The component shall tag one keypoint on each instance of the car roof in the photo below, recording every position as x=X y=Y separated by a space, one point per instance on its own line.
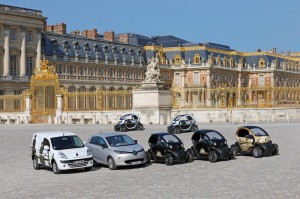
x=108 y=134
x=161 y=134
x=51 y=134
x=205 y=131
x=250 y=127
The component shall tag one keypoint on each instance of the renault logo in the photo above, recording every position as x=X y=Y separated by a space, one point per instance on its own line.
x=134 y=152
x=76 y=154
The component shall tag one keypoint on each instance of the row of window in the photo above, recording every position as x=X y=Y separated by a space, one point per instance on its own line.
x=14 y=37
x=13 y=65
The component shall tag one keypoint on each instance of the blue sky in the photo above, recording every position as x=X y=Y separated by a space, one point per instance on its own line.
x=244 y=25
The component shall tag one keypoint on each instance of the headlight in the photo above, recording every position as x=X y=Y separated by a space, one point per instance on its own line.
x=215 y=144
x=120 y=152
x=89 y=152
x=62 y=155
x=225 y=142
x=171 y=147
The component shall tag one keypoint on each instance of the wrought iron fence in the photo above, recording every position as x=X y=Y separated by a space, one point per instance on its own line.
x=12 y=103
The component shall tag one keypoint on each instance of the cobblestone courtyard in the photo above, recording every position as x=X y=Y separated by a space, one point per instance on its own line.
x=244 y=177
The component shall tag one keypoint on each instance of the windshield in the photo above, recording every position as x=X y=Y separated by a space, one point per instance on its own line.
x=170 y=138
x=120 y=140
x=66 y=142
x=259 y=132
x=214 y=136
x=177 y=118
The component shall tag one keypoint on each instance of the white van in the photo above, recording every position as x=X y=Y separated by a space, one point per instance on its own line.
x=60 y=150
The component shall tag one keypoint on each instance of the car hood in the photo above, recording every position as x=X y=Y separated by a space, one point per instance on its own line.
x=128 y=148
x=75 y=153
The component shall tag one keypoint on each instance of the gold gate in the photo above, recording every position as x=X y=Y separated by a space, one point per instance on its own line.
x=43 y=86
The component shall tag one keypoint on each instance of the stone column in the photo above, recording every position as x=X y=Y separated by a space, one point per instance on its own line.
x=23 y=53
x=38 y=48
x=272 y=89
x=208 y=85
x=239 y=103
x=6 y=52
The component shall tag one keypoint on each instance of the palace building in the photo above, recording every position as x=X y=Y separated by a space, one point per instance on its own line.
x=97 y=72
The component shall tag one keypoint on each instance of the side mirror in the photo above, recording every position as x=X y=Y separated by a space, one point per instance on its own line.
x=46 y=147
x=103 y=145
x=135 y=141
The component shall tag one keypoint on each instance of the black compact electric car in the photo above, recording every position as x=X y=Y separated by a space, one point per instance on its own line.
x=211 y=145
x=129 y=122
x=183 y=123
x=168 y=148
x=255 y=141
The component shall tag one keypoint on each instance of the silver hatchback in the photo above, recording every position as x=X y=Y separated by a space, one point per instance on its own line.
x=116 y=149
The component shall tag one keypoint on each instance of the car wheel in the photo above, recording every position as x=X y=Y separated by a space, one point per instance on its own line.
x=55 y=168
x=257 y=152
x=189 y=155
x=194 y=128
x=36 y=164
x=212 y=156
x=88 y=168
x=276 y=149
x=111 y=163
x=234 y=149
x=148 y=157
x=115 y=128
x=176 y=130
x=139 y=127
x=232 y=155
x=123 y=128
x=168 y=159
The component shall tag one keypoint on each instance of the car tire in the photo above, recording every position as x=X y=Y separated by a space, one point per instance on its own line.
x=111 y=163
x=168 y=159
x=234 y=149
x=212 y=156
x=176 y=130
x=276 y=149
x=55 y=168
x=115 y=129
x=232 y=155
x=36 y=164
x=189 y=155
x=148 y=157
x=139 y=127
x=88 y=168
x=123 y=128
x=194 y=128
x=257 y=152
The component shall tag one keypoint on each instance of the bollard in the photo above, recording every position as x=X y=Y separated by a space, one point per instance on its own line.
x=8 y=120
x=70 y=119
x=287 y=117
x=82 y=119
x=273 y=116
x=147 y=119
x=94 y=119
x=169 y=120
x=105 y=119
x=161 y=120
x=49 y=119
x=18 y=121
x=59 y=119
x=258 y=116
x=242 y=119
x=208 y=120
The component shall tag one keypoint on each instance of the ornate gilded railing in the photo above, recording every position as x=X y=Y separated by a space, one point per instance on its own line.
x=234 y=97
x=98 y=100
x=12 y=103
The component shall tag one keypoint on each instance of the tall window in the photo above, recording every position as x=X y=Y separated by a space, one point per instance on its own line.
x=29 y=66
x=177 y=78
x=13 y=65
x=29 y=36
x=13 y=34
x=58 y=69
x=196 y=78
x=81 y=70
x=111 y=72
x=261 y=80
x=71 y=70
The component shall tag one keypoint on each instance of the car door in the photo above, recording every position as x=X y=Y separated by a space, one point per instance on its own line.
x=102 y=150
x=93 y=145
x=44 y=157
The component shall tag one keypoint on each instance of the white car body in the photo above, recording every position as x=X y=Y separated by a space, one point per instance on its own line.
x=65 y=159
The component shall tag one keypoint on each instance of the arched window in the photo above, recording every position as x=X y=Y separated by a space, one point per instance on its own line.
x=197 y=59
x=261 y=62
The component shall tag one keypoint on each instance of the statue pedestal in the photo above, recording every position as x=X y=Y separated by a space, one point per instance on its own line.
x=152 y=103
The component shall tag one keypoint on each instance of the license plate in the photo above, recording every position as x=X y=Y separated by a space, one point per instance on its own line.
x=136 y=162
x=78 y=162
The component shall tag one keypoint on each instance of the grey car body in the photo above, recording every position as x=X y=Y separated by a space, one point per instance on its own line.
x=116 y=149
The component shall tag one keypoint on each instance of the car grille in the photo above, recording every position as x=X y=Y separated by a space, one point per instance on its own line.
x=77 y=163
x=134 y=160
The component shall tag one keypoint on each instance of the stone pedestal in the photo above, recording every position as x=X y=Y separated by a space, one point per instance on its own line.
x=152 y=103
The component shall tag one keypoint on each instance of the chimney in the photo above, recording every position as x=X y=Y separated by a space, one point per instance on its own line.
x=45 y=26
x=109 y=35
x=124 y=38
x=274 y=50
x=90 y=33
x=60 y=28
x=75 y=32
